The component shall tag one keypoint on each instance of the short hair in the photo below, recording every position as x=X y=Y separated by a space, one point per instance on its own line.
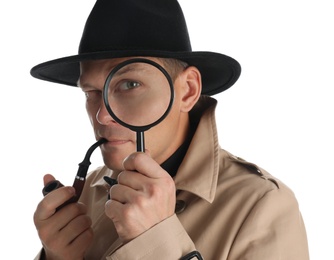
x=173 y=66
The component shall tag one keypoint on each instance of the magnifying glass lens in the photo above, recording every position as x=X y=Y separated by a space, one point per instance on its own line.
x=139 y=94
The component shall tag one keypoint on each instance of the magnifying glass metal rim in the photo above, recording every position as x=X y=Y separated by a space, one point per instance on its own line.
x=106 y=87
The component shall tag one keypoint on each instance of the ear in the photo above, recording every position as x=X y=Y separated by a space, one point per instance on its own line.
x=191 y=88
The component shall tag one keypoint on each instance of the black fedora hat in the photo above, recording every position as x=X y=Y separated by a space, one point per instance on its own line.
x=126 y=28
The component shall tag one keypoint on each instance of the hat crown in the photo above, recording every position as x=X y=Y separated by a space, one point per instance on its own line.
x=135 y=25
x=155 y=28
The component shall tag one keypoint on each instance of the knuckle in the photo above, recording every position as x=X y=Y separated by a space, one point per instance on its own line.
x=76 y=209
x=88 y=235
x=138 y=158
x=82 y=207
x=86 y=221
x=113 y=190
x=170 y=184
x=140 y=201
x=44 y=206
x=36 y=218
x=120 y=175
x=52 y=243
x=109 y=209
x=43 y=233
x=128 y=213
x=152 y=189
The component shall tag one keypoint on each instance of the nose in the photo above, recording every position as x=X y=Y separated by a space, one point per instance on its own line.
x=103 y=116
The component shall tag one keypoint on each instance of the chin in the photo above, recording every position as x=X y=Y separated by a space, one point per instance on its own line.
x=114 y=161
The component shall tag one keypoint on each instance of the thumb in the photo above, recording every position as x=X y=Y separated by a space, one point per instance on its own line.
x=48 y=178
x=50 y=184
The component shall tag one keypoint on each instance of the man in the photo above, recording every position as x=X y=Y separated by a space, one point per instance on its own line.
x=184 y=198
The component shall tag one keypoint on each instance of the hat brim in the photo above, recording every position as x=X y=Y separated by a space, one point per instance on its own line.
x=219 y=72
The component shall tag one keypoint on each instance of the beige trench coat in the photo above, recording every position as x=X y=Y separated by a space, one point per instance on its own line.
x=227 y=209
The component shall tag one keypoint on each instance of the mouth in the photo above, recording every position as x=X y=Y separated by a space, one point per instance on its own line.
x=116 y=137
x=116 y=142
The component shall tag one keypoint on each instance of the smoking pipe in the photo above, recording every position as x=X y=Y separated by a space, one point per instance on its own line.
x=80 y=177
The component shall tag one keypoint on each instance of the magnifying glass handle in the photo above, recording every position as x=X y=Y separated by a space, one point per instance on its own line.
x=140 y=142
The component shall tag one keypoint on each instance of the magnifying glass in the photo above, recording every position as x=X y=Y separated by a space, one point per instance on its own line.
x=138 y=94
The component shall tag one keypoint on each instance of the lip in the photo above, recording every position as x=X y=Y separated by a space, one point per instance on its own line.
x=115 y=142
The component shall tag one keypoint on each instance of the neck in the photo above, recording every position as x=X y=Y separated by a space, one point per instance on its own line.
x=182 y=133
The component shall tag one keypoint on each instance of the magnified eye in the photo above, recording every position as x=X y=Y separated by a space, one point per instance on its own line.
x=128 y=85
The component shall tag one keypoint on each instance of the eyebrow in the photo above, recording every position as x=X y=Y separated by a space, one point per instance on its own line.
x=130 y=68
x=85 y=86
x=120 y=72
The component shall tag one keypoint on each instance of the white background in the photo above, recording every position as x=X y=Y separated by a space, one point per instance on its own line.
x=278 y=115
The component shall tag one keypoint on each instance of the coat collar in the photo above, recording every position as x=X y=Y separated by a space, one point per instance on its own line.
x=198 y=173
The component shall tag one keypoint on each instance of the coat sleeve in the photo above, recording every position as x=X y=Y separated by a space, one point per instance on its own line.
x=167 y=240
x=273 y=230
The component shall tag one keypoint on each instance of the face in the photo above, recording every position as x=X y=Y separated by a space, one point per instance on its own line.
x=161 y=141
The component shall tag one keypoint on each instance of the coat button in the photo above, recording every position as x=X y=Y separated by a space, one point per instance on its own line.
x=180 y=206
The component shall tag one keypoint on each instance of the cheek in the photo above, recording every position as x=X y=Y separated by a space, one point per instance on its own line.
x=155 y=141
x=160 y=138
x=91 y=111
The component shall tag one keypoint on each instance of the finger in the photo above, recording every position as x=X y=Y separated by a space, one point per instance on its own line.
x=119 y=213
x=81 y=243
x=75 y=227
x=143 y=164
x=122 y=194
x=68 y=213
x=132 y=179
x=112 y=209
x=49 y=228
x=47 y=207
x=62 y=231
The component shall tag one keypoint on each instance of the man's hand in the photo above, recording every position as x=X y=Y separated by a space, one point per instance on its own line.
x=66 y=233
x=143 y=197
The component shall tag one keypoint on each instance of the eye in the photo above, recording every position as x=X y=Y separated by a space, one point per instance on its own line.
x=128 y=85
x=93 y=95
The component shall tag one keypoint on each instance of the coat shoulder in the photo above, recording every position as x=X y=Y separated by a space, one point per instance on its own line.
x=240 y=170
